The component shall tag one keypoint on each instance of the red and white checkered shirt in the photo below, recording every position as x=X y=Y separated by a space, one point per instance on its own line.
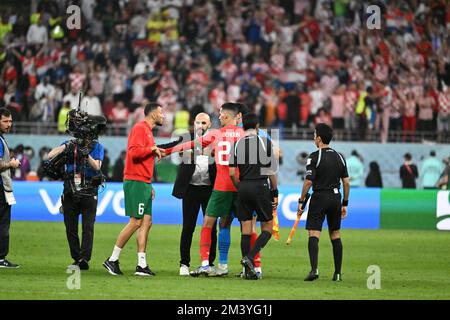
x=77 y=80
x=351 y=97
x=444 y=103
x=277 y=62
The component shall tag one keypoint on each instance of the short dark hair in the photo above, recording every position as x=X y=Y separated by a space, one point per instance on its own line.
x=408 y=156
x=231 y=106
x=149 y=107
x=325 y=132
x=4 y=112
x=433 y=153
x=250 y=121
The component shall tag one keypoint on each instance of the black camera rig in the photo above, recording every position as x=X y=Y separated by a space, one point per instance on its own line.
x=85 y=129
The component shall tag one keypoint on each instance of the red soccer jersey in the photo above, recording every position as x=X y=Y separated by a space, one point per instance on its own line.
x=140 y=158
x=222 y=140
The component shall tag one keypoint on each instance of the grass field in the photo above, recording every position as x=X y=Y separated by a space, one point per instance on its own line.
x=414 y=265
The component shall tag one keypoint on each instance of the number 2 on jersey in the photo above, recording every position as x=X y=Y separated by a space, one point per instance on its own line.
x=224 y=152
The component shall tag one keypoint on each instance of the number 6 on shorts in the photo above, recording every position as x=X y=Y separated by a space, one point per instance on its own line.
x=141 y=209
x=138 y=198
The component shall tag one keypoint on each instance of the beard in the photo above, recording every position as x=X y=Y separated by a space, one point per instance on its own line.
x=200 y=132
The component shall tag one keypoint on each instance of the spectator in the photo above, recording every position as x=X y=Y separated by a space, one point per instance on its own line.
x=91 y=104
x=73 y=98
x=182 y=119
x=409 y=116
x=317 y=99
x=45 y=89
x=425 y=116
x=329 y=82
x=323 y=116
x=77 y=79
x=37 y=34
x=430 y=171
x=363 y=111
x=119 y=114
x=21 y=172
x=313 y=44
x=374 y=179
x=384 y=114
x=443 y=118
x=62 y=116
x=355 y=169
x=350 y=99
x=408 y=173
x=293 y=103
x=337 y=107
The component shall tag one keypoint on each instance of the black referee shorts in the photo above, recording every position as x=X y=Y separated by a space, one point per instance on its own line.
x=324 y=204
x=254 y=196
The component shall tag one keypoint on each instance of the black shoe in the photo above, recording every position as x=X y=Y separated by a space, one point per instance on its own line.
x=8 y=265
x=83 y=264
x=250 y=272
x=144 y=272
x=313 y=275
x=112 y=267
x=337 y=277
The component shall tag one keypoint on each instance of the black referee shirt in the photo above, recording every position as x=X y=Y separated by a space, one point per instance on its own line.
x=325 y=168
x=253 y=156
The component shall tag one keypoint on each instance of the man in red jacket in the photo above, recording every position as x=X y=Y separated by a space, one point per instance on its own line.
x=140 y=159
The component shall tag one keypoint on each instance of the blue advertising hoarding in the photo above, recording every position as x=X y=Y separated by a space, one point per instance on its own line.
x=40 y=201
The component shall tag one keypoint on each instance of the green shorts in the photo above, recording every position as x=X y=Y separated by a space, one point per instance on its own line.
x=138 y=198
x=221 y=204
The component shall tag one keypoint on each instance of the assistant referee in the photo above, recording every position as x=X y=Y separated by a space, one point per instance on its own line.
x=324 y=170
x=252 y=155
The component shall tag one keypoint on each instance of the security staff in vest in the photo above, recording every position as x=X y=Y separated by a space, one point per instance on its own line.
x=7 y=162
x=194 y=183
x=254 y=157
x=325 y=169
x=82 y=178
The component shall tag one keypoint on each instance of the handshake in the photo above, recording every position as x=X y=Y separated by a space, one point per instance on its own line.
x=160 y=149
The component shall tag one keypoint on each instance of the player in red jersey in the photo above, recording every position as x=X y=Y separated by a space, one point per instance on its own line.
x=138 y=191
x=223 y=198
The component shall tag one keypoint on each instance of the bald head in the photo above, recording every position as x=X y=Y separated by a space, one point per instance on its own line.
x=202 y=123
x=202 y=116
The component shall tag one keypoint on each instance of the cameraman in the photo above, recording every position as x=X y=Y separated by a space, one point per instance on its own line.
x=83 y=161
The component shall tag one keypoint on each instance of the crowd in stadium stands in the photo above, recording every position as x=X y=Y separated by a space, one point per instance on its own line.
x=294 y=63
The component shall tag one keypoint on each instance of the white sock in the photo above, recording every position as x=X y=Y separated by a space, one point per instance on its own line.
x=205 y=263
x=258 y=269
x=142 y=261
x=223 y=266
x=115 y=254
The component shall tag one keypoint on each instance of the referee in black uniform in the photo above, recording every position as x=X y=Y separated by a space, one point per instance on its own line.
x=324 y=170
x=253 y=156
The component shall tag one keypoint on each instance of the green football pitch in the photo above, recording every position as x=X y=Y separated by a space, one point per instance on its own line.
x=413 y=265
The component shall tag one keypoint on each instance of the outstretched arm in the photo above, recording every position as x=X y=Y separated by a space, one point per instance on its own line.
x=204 y=141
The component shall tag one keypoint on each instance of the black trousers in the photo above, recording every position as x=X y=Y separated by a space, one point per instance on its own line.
x=196 y=197
x=5 y=221
x=74 y=206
